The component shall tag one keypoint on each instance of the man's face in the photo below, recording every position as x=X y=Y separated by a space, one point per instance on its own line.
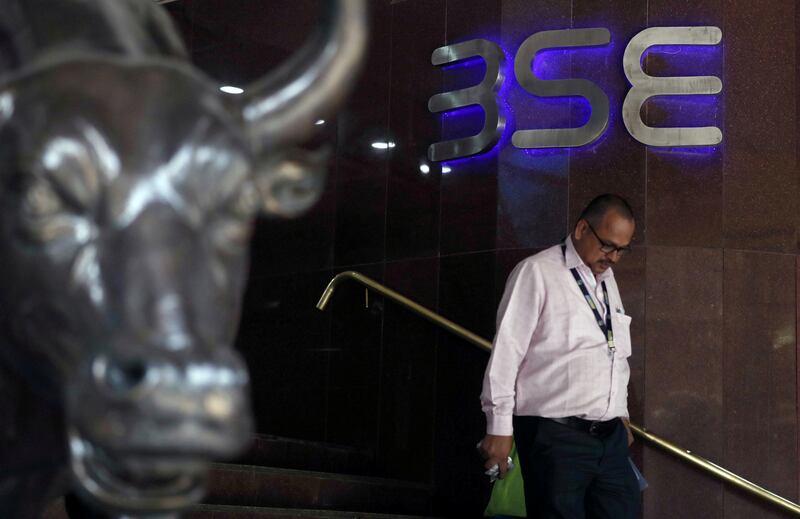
x=613 y=233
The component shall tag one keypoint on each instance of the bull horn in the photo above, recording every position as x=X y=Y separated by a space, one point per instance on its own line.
x=282 y=107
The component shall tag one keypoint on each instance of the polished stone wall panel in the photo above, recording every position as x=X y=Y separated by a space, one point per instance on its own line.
x=469 y=207
x=531 y=210
x=302 y=244
x=412 y=212
x=760 y=378
x=408 y=374
x=354 y=376
x=469 y=190
x=797 y=276
x=466 y=282
x=697 y=182
x=360 y=223
x=761 y=181
x=797 y=353
x=684 y=378
x=285 y=342
x=466 y=285
x=364 y=119
x=361 y=175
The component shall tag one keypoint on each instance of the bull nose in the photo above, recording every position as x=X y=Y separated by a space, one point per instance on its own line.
x=205 y=386
x=119 y=377
x=150 y=402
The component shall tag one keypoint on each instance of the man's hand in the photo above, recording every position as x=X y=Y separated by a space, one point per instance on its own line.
x=627 y=424
x=495 y=450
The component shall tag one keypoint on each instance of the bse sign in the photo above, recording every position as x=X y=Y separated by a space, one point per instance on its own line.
x=643 y=87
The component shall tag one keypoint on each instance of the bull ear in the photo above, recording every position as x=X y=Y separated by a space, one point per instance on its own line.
x=281 y=108
x=290 y=181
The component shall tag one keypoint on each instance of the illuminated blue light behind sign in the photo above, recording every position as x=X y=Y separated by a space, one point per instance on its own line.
x=487 y=95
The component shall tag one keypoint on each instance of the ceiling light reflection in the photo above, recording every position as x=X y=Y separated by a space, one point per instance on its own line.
x=381 y=145
x=232 y=90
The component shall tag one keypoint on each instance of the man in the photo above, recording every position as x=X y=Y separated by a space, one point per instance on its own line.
x=556 y=382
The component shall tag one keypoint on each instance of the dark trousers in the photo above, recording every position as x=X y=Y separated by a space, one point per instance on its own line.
x=572 y=474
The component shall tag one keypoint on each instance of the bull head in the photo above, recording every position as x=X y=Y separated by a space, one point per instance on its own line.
x=128 y=188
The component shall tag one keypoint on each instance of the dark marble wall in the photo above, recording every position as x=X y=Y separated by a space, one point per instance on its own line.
x=712 y=285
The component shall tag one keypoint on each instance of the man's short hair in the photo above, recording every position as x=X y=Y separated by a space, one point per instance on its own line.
x=597 y=208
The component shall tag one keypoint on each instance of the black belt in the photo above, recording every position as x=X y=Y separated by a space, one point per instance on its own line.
x=593 y=427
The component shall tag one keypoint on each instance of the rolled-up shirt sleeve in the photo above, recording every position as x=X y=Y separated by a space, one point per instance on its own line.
x=517 y=318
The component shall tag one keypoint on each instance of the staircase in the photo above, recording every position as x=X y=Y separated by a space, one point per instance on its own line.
x=280 y=478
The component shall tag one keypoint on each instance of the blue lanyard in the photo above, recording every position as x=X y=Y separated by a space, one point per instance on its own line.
x=605 y=327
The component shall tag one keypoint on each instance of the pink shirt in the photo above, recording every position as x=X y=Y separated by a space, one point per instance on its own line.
x=550 y=357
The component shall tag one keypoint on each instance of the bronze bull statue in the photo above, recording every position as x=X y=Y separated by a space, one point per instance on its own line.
x=128 y=188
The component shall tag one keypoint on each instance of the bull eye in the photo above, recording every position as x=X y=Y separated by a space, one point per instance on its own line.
x=48 y=217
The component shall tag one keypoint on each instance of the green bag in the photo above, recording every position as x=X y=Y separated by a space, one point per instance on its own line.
x=508 y=496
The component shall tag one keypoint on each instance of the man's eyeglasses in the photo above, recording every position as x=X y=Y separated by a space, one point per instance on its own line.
x=608 y=248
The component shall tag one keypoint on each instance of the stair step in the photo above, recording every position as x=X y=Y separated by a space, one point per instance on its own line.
x=56 y=510
x=255 y=486
x=252 y=512
x=275 y=451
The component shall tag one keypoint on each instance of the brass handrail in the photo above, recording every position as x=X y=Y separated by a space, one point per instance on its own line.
x=712 y=468
x=698 y=461
x=408 y=303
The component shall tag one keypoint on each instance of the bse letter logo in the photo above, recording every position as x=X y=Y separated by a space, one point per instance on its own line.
x=484 y=94
x=643 y=87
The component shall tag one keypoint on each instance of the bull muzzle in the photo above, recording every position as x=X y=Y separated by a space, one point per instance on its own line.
x=144 y=429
